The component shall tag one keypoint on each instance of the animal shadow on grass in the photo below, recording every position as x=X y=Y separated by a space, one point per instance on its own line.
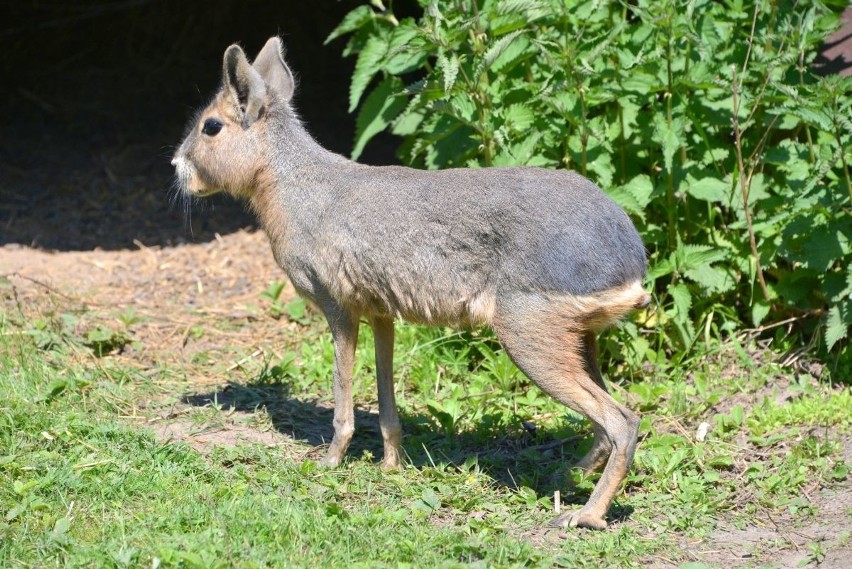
x=512 y=455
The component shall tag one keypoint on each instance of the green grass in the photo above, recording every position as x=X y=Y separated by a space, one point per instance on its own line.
x=84 y=483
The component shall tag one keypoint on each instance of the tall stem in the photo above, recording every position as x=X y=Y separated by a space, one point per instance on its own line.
x=670 y=195
x=843 y=159
x=584 y=135
x=745 y=184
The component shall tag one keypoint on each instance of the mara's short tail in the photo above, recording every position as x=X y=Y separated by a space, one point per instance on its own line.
x=601 y=309
x=643 y=302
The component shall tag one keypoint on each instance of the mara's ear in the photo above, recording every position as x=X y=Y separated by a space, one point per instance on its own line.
x=274 y=71
x=243 y=85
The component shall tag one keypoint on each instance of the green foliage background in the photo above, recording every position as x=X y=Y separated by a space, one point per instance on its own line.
x=703 y=119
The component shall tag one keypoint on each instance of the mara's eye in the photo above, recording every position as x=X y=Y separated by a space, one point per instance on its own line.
x=211 y=127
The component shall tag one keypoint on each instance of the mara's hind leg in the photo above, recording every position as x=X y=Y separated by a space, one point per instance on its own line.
x=601 y=446
x=545 y=338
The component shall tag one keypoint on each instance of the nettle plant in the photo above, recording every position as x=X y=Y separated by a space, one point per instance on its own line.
x=703 y=119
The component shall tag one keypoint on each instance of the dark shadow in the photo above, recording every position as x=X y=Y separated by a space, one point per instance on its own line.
x=835 y=55
x=95 y=95
x=512 y=455
x=619 y=513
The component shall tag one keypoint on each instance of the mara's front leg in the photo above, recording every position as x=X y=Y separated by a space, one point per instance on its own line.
x=344 y=331
x=388 y=416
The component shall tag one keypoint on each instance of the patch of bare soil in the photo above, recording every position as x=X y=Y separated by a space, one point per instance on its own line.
x=180 y=299
x=786 y=542
x=205 y=437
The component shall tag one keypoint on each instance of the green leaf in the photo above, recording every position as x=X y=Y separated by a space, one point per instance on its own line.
x=409 y=121
x=712 y=279
x=642 y=83
x=273 y=291
x=463 y=107
x=759 y=310
x=635 y=195
x=449 y=67
x=629 y=115
x=836 y=326
x=431 y=499
x=520 y=153
x=709 y=189
x=99 y=335
x=661 y=268
x=516 y=52
x=55 y=387
x=368 y=64
x=692 y=256
x=848 y=289
x=191 y=558
x=599 y=166
x=295 y=309
x=669 y=136
x=23 y=488
x=529 y=9
x=816 y=117
x=682 y=299
x=519 y=116
x=405 y=51
x=641 y=187
x=524 y=151
x=351 y=22
x=824 y=246
x=623 y=198
x=496 y=50
x=721 y=461
x=16 y=511
x=61 y=526
x=380 y=109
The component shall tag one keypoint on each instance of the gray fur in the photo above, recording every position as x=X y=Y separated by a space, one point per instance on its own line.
x=408 y=240
x=543 y=256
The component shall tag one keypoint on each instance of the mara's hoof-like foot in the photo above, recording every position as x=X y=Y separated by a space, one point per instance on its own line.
x=330 y=461
x=391 y=461
x=580 y=519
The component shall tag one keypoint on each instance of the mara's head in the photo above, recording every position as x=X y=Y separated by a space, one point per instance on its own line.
x=224 y=148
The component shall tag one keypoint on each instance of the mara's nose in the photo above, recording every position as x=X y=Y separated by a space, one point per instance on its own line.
x=175 y=161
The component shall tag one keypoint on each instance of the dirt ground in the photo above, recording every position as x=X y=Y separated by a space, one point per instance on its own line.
x=171 y=291
x=92 y=224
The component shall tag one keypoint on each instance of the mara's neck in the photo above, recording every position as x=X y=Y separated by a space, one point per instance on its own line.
x=295 y=163
x=293 y=151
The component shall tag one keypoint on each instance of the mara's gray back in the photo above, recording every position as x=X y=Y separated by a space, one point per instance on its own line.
x=499 y=228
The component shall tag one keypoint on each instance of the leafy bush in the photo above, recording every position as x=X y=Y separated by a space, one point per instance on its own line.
x=703 y=119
